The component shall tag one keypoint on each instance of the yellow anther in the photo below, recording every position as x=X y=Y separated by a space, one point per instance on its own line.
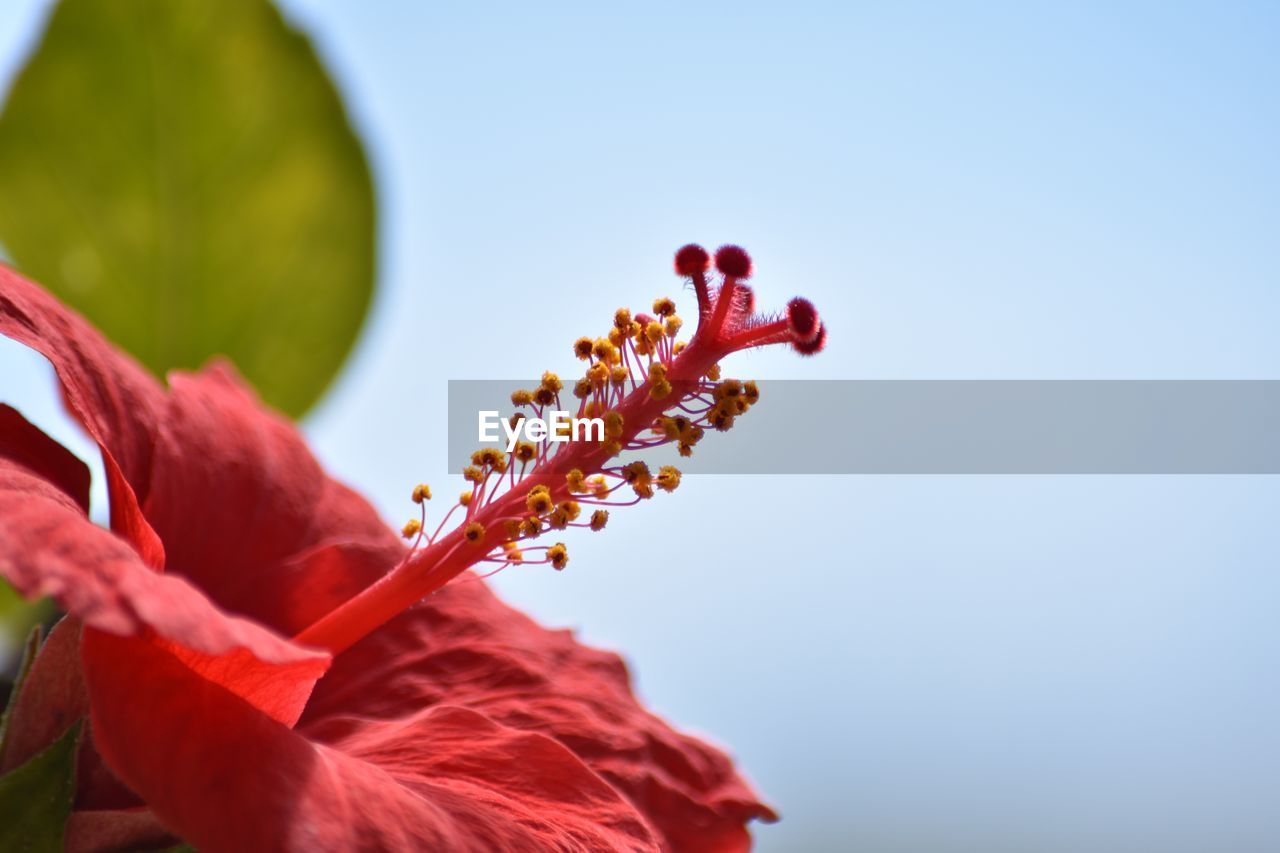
x=673 y=326
x=530 y=527
x=490 y=457
x=544 y=396
x=421 y=492
x=751 y=392
x=473 y=532
x=558 y=520
x=598 y=486
x=653 y=332
x=599 y=519
x=617 y=336
x=539 y=502
x=721 y=418
x=472 y=474
x=634 y=472
x=521 y=397
x=525 y=452
x=612 y=447
x=572 y=509
x=668 y=478
x=582 y=389
x=713 y=372
x=605 y=350
x=465 y=498
x=679 y=347
x=622 y=318
x=558 y=555
x=619 y=375
x=598 y=374
x=576 y=481
x=582 y=348
x=551 y=382
x=512 y=552
x=664 y=307
x=512 y=528
x=411 y=528
x=661 y=389
x=613 y=424
x=495 y=459
x=727 y=389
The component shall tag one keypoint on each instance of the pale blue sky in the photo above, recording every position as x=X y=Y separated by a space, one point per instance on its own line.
x=982 y=190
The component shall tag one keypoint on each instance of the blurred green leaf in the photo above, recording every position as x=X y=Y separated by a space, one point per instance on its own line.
x=184 y=174
x=35 y=799
x=17 y=617
x=29 y=651
x=9 y=600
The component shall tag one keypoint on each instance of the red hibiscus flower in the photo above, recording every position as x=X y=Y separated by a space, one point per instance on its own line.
x=258 y=657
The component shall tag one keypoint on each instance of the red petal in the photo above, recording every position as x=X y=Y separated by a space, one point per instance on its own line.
x=49 y=547
x=22 y=443
x=114 y=398
x=462 y=646
x=247 y=513
x=226 y=777
x=241 y=505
